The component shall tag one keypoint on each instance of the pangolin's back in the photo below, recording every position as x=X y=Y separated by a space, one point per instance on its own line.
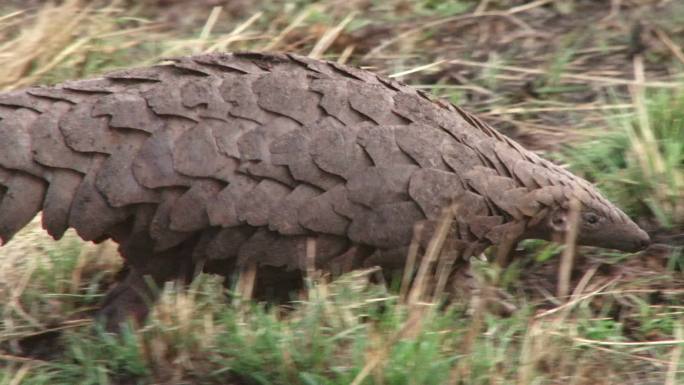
x=246 y=156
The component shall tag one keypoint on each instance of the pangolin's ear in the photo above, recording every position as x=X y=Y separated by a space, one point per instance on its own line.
x=558 y=220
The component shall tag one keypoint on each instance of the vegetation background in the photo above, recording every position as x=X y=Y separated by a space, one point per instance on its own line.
x=596 y=85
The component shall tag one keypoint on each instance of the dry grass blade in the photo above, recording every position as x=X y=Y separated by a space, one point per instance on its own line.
x=20 y=374
x=529 y=6
x=368 y=368
x=654 y=361
x=575 y=301
x=410 y=261
x=482 y=6
x=675 y=342
x=13 y=303
x=652 y=160
x=5 y=18
x=409 y=327
x=579 y=107
x=11 y=358
x=66 y=325
x=329 y=37
x=405 y=35
x=296 y=22
x=583 y=282
x=604 y=80
x=65 y=37
x=671 y=376
x=671 y=45
x=208 y=26
x=529 y=354
x=412 y=325
x=568 y=255
x=444 y=270
x=463 y=368
x=431 y=254
x=35 y=49
x=310 y=261
x=346 y=54
x=207 y=43
x=100 y=251
x=237 y=34
x=645 y=128
x=417 y=69
x=245 y=285
x=131 y=32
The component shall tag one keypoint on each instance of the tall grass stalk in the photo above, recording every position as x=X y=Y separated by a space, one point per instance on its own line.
x=640 y=163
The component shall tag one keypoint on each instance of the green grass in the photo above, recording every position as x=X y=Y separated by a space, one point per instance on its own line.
x=347 y=330
x=442 y=8
x=640 y=162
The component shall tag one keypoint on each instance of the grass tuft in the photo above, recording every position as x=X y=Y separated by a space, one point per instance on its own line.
x=640 y=162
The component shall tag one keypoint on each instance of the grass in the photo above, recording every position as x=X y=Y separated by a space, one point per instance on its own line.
x=621 y=324
x=352 y=331
x=70 y=40
x=640 y=163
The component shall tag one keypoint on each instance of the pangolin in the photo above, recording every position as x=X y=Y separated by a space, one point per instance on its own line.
x=220 y=161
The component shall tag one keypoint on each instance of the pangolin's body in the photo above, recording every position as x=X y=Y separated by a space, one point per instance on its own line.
x=237 y=158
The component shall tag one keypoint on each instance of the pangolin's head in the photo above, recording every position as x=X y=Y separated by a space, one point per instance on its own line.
x=595 y=227
x=599 y=222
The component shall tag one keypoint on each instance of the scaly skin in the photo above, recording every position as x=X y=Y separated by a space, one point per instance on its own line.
x=233 y=159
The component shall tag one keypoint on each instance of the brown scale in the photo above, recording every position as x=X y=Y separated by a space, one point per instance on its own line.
x=49 y=145
x=196 y=154
x=423 y=144
x=224 y=208
x=91 y=216
x=15 y=143
x=153 y=165
x=21 y=201
x=337 y=151
x=58 y=199
x=335 y=100
x=115 y=178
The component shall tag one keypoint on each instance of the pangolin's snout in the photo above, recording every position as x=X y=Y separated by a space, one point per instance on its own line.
x=626 y=236
x=642 y=240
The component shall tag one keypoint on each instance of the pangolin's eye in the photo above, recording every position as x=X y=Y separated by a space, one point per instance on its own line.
x=591 y=218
